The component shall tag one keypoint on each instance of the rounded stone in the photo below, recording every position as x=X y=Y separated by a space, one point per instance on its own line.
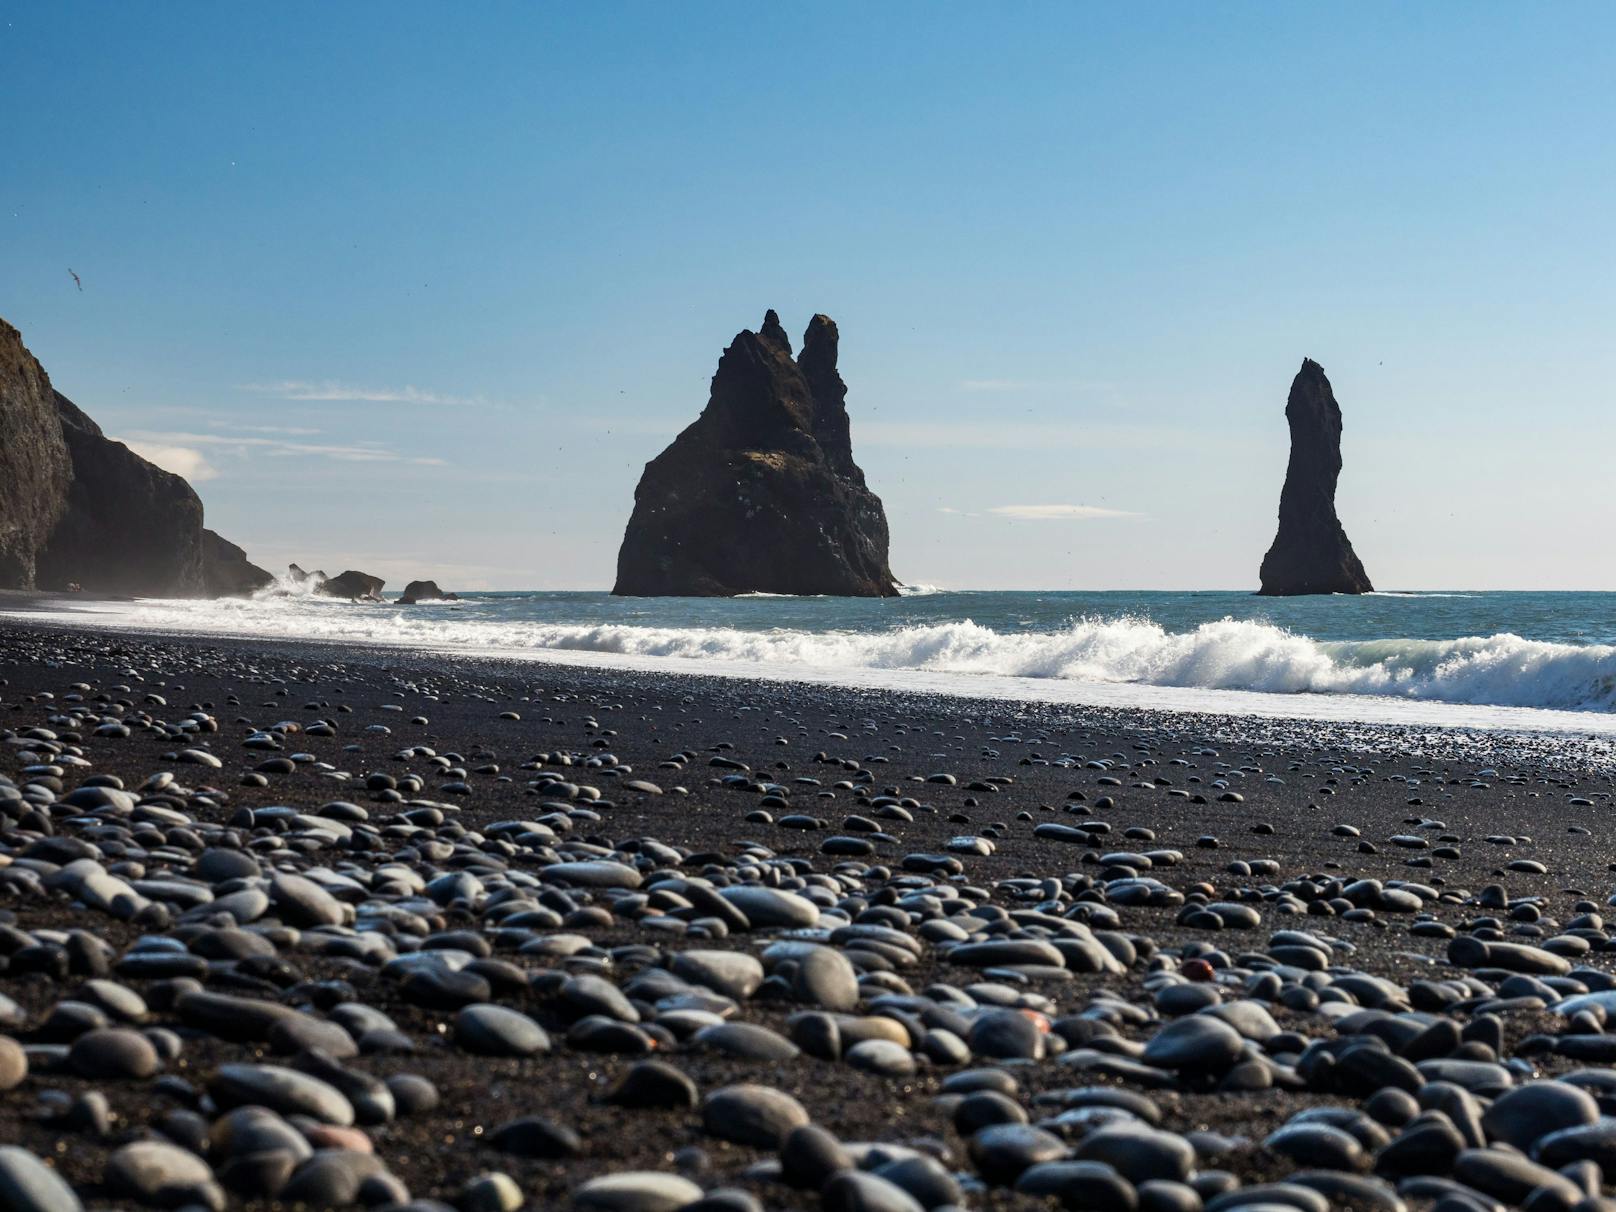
x=29 y=1185
x=749 y=1114
x=748 y=1041
x=157 y=1173
x=1318 y=1146
x=1198 y=1044
x=491 y=1030
x=301 y=902
x=657 y=1084
x=13 y=1064
x=772 y=908
x=1523 y=1115
x=1091 y=1186
x=1005 y=1035
x=853 y=1191
x=732 y=973
x=825 y=977
x=881 y=1056
x=112 y=1054
x=533 y=1136
x=636 y=1191
x=1138 y=1152
x=282 y=1090
x=809 y=1155
x=1002 y=1152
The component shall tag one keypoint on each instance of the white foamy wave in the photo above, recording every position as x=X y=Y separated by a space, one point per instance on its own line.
x=920 y=591
x=1501 y=670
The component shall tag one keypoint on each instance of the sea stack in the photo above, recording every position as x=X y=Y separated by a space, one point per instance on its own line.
x=79 y=509
x=1311 y=552
x=760 y=494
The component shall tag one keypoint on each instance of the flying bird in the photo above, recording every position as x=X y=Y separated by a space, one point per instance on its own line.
x=76 y=281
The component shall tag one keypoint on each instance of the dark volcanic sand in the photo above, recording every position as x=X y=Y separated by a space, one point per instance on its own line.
x=1299 y=780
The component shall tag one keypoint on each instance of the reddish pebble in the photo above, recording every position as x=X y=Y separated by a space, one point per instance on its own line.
x=328 y=1136
x=1040 y=1021
x=1197 y=970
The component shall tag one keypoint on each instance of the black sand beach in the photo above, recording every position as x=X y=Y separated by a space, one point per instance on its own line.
x=1501 y=838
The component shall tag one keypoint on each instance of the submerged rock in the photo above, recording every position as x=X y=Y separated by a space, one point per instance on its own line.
x=424 y=591
x=1311 y=552
x=761 y=494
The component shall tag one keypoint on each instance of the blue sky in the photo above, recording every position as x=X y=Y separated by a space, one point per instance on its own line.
x=419 y=288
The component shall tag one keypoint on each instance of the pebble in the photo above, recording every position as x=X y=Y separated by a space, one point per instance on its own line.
x=29 y=1185
x=280 y=955
x=13 y=1063
x=750 y=1114
x=499 y=1031
x=113 y=1053
x=282 y=1090
x=1138 y=1152
x=1198 y=1044
x=852 y=1191
x=636 y=1191
x=152 y=1172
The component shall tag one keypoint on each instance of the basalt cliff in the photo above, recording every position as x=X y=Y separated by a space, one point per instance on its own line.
x=760 y=494
x=79 y=510
x=1311 y=552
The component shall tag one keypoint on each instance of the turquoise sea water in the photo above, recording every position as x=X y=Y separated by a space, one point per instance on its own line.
x=1535 y=651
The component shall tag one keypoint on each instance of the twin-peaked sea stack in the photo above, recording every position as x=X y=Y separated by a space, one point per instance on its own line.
x=1311 y=552
x=760 y=494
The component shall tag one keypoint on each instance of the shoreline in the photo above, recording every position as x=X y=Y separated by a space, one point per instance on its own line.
x=965 y=697
x=1320 y=709
x=1035 y=819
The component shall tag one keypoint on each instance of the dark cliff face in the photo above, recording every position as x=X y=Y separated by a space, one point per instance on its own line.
x=78 y=509
x=34 y=468
x=760 y=494
x=226 y=572
x=130 y=527
x=1311 y=552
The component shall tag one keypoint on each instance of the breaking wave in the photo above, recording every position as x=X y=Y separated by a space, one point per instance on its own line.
x=1502 y=670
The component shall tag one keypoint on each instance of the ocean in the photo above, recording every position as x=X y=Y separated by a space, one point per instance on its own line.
x=1485 y=660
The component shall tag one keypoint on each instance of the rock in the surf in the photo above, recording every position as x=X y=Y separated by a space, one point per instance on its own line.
x=1311 y=552
x=424 y=591
x=761 y=494
x=355 y=586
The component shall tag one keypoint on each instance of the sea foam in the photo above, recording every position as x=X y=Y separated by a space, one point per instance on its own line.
x=1497 y=670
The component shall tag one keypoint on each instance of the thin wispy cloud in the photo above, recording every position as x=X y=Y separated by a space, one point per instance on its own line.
x=323 y=390
x=184 y=461
x=1058 y=513
x=1031 y=435
x=364 y=452
x=290 y=431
